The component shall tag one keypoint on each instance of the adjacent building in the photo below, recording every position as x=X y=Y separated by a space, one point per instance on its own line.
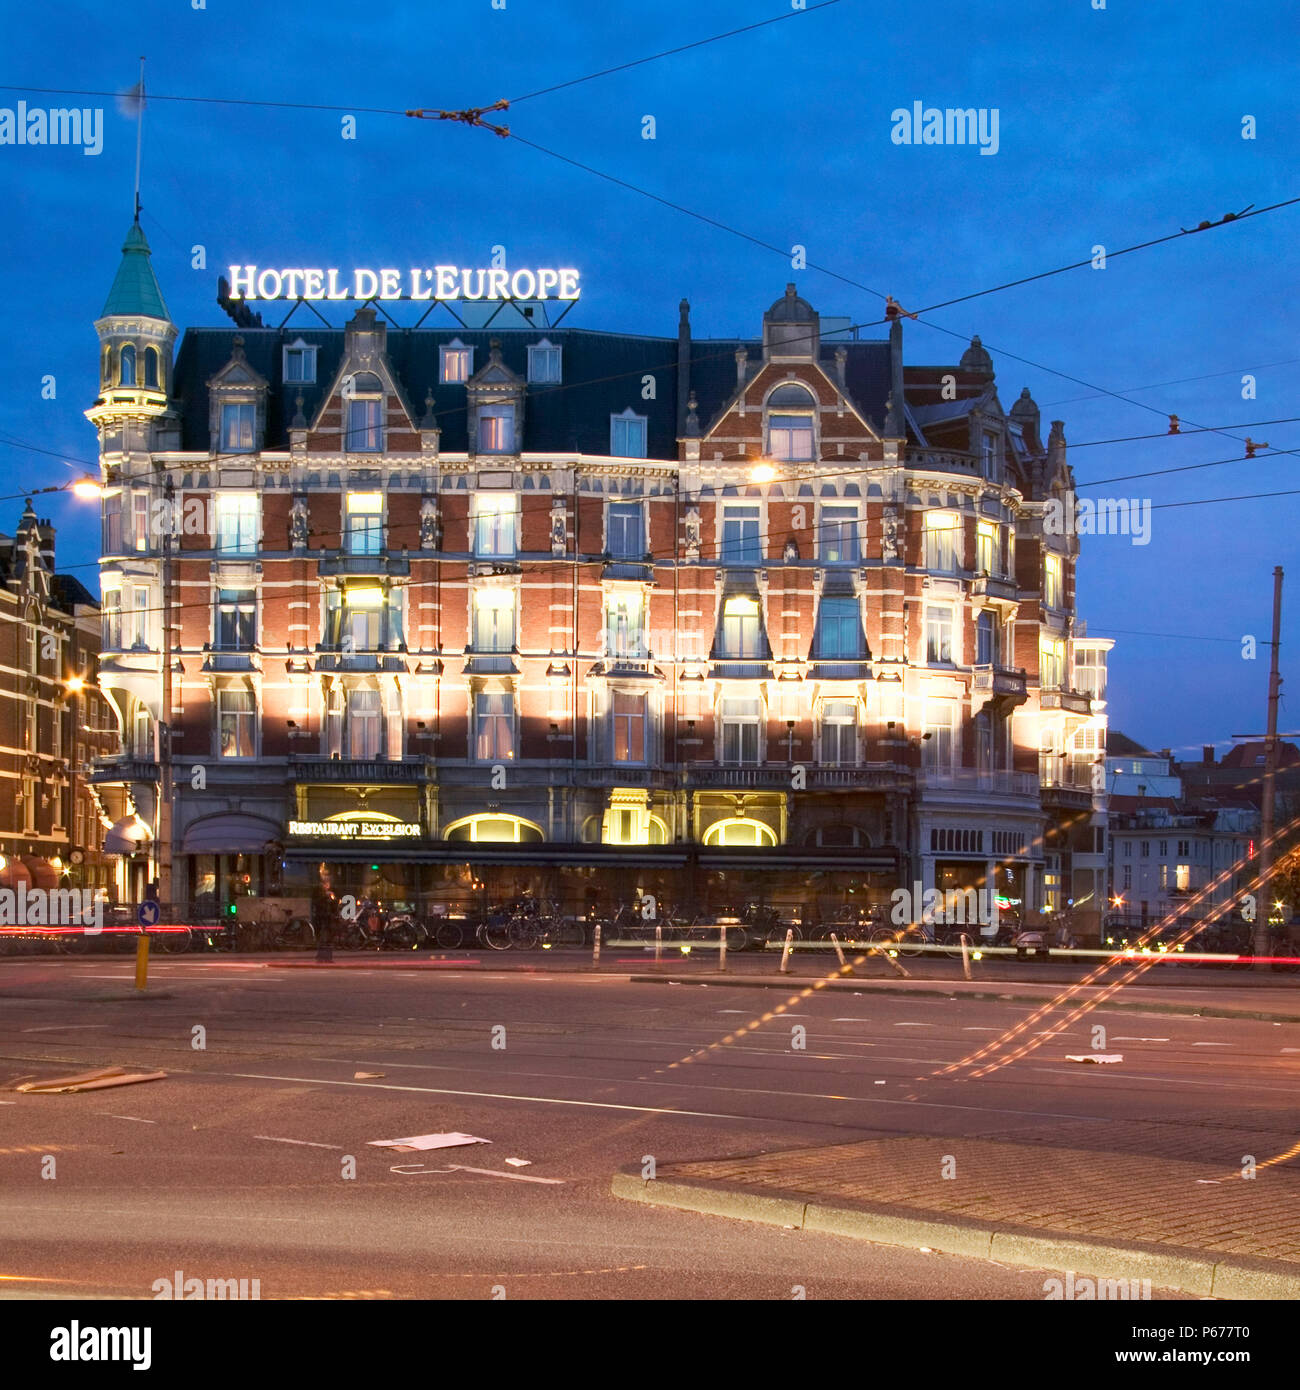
x=465 y=612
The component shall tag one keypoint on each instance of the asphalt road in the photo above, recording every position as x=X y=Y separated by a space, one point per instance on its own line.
x=234 y=1166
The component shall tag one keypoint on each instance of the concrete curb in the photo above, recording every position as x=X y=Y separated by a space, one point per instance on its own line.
x=1168 y=1267
x=860 y=984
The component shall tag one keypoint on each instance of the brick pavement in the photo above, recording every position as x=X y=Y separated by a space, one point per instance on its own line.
x=1196 y=1205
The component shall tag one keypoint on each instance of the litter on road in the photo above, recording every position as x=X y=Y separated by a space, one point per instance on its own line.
x=367 y=1075
x=1097 y=1057
x=91 y=1080
x=427 y=1141
x=520 y=1162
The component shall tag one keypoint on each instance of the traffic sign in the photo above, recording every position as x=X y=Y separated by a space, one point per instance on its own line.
x=148 y=914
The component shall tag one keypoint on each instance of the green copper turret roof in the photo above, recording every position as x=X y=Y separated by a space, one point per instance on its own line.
x=135 y=289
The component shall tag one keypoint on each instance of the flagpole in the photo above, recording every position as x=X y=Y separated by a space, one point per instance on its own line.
x=139 y=134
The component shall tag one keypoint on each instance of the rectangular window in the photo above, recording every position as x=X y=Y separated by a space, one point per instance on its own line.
x=741 y=544
x=457 y=365
x=1146 y=849
x=112 y=616
x=625 y=623
x=1128 y=877
x=629 y=727
x=985 y=640
x=112 y=530
x=237 y=523
x=354 y=618
x=942 y=542
x=140 y=521
x=236 y=723
x=627 y=436
x=365 y=523
x=1128 y=849
x=494 y=525
x=30 y=739
x=989 y=449
x=494 y=723
x=365 y=724
x=29 y=804
x=139 y=617
x=237 y=425
x=1051 y=664
x=142 y=734
x=236 y=620
x=1164 y=848
x=1090 y=673
x=494 y=620
x=987 y=547
x=837 y=537
x=790 y=438
x=300 y=364
x=938 y=635
x=839 y=733
x=365 y=426
x=1183 y=850
x=938 y=743
x=625 y=531
x=1052 y=592
x=496 y=429
x=839 y=630
x=1182 y=877
x=740 y=718
x=543 y=364
x=741 y=625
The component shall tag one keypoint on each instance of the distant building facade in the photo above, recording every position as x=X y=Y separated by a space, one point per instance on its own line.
x=465 y=613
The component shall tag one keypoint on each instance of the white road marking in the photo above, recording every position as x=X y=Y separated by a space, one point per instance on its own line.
x=983 y=1030
x=136 y=1118
x=515 y=1177
x=306 y=1143
x=850 y=1020
x=1291 y=1049
x=1211 y=1044
x=912 y=1025
x=1118 y=1038
x=62 y=1027
x=733 y=1011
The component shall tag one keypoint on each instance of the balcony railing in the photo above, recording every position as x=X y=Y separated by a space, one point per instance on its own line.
x=1009 y=681
x=971 y=779
x=994 y=585
x=328 y=659
x=128 y=769
x=941 y=461
x=1058 y=697
x=310 y=767
x=384 y=564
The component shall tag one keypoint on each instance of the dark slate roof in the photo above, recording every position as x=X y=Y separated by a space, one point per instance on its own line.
x=601 y=376
x=1120 y=745
x=67 y=591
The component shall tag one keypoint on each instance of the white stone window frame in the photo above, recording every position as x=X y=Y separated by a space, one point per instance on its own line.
x=308 y=352
x=455 y=348
x=630 y=416
x=549 y=352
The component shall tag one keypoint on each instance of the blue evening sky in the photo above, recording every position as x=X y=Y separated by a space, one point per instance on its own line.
x=1115 y=126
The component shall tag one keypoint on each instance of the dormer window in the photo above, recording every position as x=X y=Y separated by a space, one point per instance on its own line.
x=457 y=363
x=300 y=363
x=238 y=422
x=126 y=375
x=365 y=430
x=627 y=435
x=543 y=363
x=791 y=435
x=496 y=429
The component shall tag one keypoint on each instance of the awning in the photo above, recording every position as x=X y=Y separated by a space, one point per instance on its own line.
x=15 y=874
x=44 y=874
x=231 y=833
x=127 y=836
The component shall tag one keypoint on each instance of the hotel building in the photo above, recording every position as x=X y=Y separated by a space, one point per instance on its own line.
x=498 y=607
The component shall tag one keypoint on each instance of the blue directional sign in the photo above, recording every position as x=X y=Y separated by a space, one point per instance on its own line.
x=148 y=914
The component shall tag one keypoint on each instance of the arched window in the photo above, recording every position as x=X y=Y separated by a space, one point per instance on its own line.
x=106 y=367
x=126 y=375
x=494 y=829
x=791 y=413
x=151 y=367
x=740 y=832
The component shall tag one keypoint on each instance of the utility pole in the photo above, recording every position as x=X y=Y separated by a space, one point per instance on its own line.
x=1265 y=897
x=164 y=841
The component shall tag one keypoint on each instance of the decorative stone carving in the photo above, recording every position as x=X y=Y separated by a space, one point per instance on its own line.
x=298 y=524
x=428 y=524
x=692 y=533
x=889 y=543
x=559 y=528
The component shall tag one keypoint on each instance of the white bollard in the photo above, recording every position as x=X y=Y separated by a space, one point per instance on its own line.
x=839 y=950
x=965 y=955
x=595 y=954
x=722 y=948
x=785 y=951
x=659 y=941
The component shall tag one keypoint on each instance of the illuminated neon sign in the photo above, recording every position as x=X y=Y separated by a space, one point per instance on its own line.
x=353 y=829
x=436 y=283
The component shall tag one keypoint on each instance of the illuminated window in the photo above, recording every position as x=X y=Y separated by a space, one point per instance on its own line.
x=628 y=715
x=237 y=518
x=741 y=630
x=1052 y=592
x=740 y=729
x=494 y=727
x=365 y=427
x=625 y=531
x=740 y=834
x=839 y=733
x=494 y=620
x=938 y=745
x=494 y=525
x=236 y=723
x=238 y=422
x=365 y=523
x=496 y=429
x=457 y=363
x=112 y=620
x=942 y=542
x=112 y=527
x=365 y=723
x=1090 y=672
x=741 y=543
x=1051 y=663
x=837 y=536
x=494 y=830
x=625 y=623
x=543 y=363
x=139 y=617
x=1182 y=877
x=987 y=548
x=627 y=435
x=140 y=521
